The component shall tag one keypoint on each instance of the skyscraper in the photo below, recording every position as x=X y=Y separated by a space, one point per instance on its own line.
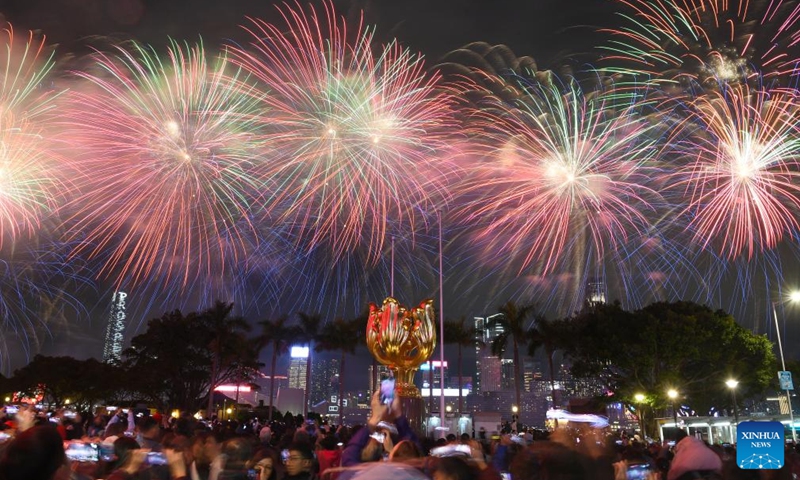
x=595 y=292
x=324 y=379
x=115 y=331
x=297 y=368
x=488 y=366
x=383 y=372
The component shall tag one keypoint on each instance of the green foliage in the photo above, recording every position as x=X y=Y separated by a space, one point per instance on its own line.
x=171 y=363
x=679 y=345
x=277 y=334
x=83 y=382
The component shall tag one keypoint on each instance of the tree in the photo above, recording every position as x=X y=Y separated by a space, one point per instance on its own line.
x=680 y=345
x=171 y=363
x=342 y=336
x=278 y=334
x=309 y=329
x=548 y=335
x=57 y=379
x=513 y=323
x=226 y=341
x=459 y=334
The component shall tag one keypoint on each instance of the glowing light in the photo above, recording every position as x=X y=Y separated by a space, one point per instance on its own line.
x=387 y=153
x=581 y=169
x=233 y=388
x=596 y=421
x=739 y=176
x=299 y=352
x=166 y=161
x=705 y=41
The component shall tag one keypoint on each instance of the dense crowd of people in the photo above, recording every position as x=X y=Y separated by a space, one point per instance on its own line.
x=138 y=446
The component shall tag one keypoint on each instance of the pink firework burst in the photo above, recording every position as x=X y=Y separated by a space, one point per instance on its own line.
x=362 y=135
x=563 y=173
x=740 y=176
x=165 y=150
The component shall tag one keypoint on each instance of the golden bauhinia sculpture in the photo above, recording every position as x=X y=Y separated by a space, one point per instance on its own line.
x=402 y=339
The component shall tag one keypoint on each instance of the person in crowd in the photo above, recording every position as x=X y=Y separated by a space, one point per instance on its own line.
x=97 y=427
x=73 y=426
x=149 y=433
x=329 y=455
x=454 y=468
x=265 y=435
x=548 y=461
x=300 y=463
x=386 y=426
x=237 y=451
x=693 y=459
x=265 y=464
x=130 y=458
x=200 y=464
x=405 y=450
x=37 y=453
x=214 y=454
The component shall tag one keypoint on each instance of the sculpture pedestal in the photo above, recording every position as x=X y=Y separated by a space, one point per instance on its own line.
x=414 y=410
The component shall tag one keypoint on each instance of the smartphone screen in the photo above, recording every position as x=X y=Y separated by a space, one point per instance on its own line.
x=638 y=471
x=83 y=452
x=284 y=456
x=387 y=391
x=156 y=458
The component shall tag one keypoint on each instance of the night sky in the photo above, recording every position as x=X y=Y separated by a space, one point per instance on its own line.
x=554 y=32
x=540 y=28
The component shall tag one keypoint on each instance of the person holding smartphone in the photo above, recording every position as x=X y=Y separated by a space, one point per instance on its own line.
x=386 y=426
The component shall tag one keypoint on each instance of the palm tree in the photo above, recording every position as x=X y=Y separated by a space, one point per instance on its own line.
x=310 y=325
x=512 y=321
x=279 y=334
x=342 y=336
x=224 y=330
x=549 y=335
x=462 y=335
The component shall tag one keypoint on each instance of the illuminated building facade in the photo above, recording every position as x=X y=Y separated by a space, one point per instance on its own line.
x=488 y=377
x=383 y=372
x=297 y=368
x=115 y=331
x=324 y=379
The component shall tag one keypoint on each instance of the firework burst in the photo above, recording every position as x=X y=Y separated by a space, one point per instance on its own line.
x=26 y=63
x=361 y=132
x=165 y=153
x=29 y=185
x=740 y=176
x=706 y=41
x=563 y=172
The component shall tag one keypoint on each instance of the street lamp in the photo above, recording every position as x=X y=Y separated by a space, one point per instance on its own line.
x=514 y=419
x=639 y=397
x=673 y=394
x=793 y=297
x=732 y=384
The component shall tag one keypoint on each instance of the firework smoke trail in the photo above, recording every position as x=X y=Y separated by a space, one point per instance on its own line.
x=706 y=41
x=561 y=167
x=739 y=174
x=364 y=136
x=166 y=153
